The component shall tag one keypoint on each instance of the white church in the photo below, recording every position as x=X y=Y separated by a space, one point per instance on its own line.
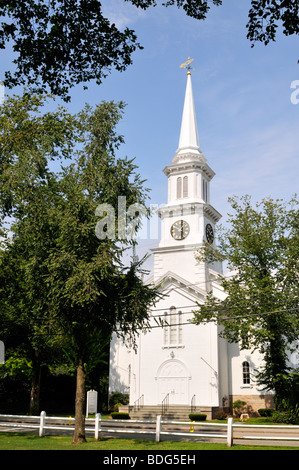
x=182 y=367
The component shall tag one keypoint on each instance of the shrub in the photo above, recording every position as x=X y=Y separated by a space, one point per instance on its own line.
x=116 y=398
x=116 y=406
x=118 y=415
x=220 y=415
x=265 y=412
x=197 y=417
x=286 y=417
x=239 y=407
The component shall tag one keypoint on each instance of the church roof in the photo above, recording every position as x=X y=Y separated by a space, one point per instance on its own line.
x=169 y=279
x=189 y=141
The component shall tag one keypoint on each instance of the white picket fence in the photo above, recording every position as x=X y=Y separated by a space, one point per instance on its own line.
x=158 y=428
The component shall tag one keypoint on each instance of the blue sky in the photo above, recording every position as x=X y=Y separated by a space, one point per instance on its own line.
x=248 y=126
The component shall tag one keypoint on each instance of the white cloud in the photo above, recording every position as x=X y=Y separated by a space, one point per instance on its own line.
x=121 y=13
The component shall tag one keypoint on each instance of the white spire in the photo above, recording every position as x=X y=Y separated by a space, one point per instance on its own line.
x=189 y=142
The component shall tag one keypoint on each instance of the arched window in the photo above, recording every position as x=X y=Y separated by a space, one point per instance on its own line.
x=179 y=188
x=173 y=327
x=179 y=328
x=246 y=373
x=185 y=186
x=165 y=328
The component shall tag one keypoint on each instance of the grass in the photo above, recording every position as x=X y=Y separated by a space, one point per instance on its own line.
x=28 y=441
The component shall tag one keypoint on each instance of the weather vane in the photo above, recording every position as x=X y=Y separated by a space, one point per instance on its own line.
x=186 y=65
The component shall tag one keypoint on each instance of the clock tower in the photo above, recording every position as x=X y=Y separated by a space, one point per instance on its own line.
x=178 y=366
x=188 y=218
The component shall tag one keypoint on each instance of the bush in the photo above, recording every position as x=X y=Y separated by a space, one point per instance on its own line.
x=116 y=406
x=265 y=412
x=118 y=415
x=239 y=407
x=286 y=417
x=220 y=415
x=117 y=398
x=197 y=417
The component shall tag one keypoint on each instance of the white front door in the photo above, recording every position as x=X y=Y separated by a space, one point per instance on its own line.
x=173 y=381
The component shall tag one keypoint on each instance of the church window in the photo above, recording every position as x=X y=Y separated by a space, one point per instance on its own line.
x=185 y=186
x=246 y=373
x=179 y=188
x=182 y=187
x=173 y=327
x=180 y=329
x=165 y=329
x=205 y=190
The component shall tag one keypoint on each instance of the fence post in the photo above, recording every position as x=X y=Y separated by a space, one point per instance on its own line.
x=230 y=432
x=97 y=426
x=158 y=428
x=42 y=423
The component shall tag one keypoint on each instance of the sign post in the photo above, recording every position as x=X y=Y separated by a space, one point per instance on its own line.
x=91 y=402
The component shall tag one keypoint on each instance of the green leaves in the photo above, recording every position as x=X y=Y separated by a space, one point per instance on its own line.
x=29 y=140
x=261 y=310
x=63 y=271
x=194 y=8
x=60 y=44
x=264 y=18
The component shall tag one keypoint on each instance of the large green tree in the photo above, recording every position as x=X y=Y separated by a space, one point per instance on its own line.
x=261 y=310
x=28 y=328
x=30 y=141
x=59 y=43
x=71 y=280
x=92 y=292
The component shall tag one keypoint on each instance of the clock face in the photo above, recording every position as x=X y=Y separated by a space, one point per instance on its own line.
x=180 y=230
x=209 y=233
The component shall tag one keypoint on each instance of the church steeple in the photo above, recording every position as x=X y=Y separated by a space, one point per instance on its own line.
x=189 y=148
x=188 y=211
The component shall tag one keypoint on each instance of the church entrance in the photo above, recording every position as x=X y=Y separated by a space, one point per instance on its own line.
x=173 y=380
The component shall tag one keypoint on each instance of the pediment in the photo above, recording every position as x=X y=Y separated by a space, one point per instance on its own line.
x=170 y=281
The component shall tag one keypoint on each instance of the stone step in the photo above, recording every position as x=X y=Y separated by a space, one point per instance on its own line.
x=173 y=412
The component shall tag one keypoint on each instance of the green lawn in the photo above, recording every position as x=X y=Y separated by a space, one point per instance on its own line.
x=24 y=441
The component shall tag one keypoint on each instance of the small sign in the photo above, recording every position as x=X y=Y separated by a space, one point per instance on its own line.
x=92 y=402
x=2 y=353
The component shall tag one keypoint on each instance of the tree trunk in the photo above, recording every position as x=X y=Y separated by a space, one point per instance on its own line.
x=79 y=432
x=35 y=388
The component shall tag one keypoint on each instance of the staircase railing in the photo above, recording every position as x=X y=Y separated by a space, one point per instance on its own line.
x=139 y=403
x=165 y=403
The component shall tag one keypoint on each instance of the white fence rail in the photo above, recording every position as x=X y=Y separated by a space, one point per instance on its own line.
x=157 y=428
x=42 y=423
